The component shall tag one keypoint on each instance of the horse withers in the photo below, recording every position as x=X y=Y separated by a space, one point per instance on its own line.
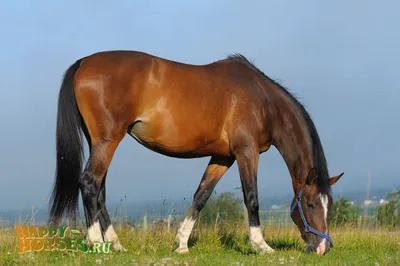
x=227 y=110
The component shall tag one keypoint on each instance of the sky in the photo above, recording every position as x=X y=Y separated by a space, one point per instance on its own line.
x=341 y=58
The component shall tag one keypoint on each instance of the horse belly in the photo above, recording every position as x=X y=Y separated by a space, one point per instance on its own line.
x=166 y=138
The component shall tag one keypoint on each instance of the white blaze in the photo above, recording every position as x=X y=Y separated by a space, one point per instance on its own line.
x=324 y=203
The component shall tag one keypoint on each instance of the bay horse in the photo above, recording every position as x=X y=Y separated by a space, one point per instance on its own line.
x=228 y=110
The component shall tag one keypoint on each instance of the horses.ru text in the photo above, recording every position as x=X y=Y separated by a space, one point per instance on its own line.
x=62 y=238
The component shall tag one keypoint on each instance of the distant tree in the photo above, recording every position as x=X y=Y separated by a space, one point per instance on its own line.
x=395 y=195
x=343 y=213
x=388 y=214
x=221 y=208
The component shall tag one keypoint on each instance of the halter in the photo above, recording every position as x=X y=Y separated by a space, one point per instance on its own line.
x=307 y=227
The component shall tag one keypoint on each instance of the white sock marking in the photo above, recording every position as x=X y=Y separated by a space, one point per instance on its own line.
x=111 y=236
x=184 y=232
x=257 y=239
x=94 y=233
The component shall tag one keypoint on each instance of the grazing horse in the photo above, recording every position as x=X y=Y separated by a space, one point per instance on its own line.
x=228 y=110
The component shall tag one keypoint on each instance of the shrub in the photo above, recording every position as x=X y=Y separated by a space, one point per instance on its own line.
x=343 y=213
x=225 y=207
x=388 y=214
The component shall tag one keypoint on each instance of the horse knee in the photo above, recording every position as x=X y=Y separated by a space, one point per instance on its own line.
x=252 y=202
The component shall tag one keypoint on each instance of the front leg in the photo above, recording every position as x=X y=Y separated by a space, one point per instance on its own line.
x=247 y=162
x=215 y=170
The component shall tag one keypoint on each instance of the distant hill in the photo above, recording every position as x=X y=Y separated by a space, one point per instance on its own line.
x=136 y=210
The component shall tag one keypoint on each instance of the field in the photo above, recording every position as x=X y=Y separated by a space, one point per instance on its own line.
x=221 y=245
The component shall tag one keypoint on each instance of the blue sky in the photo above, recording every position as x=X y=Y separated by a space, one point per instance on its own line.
x=340 y=57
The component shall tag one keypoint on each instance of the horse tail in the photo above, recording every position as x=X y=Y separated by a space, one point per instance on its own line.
x=69 y=149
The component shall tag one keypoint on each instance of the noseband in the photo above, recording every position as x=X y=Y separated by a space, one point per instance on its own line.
x=307 y=227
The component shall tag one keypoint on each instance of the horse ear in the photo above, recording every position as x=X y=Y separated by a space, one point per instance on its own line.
x=312 y=176
x=334 y=179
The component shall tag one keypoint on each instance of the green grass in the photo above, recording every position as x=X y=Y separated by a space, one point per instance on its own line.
x=226 y=245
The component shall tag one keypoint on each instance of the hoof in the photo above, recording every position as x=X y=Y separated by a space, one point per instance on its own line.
x=267 y=251
x=118 y=247
x=182 y=250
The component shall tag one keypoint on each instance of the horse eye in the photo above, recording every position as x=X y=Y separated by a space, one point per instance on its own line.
x=310 y=205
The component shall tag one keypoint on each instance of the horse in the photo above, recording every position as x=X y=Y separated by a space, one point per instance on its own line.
x=228 y=110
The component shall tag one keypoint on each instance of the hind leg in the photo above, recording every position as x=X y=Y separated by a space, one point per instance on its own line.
x=213 y=173
x=247 y=160
x=105 y=222
x=90 y=184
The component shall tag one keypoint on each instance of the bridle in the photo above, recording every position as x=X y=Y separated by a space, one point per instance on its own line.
x=307 y=227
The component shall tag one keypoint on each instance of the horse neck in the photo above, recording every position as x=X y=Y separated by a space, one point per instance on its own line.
x=294 y=143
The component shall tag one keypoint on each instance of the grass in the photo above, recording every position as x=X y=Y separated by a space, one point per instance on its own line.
x=224 y=245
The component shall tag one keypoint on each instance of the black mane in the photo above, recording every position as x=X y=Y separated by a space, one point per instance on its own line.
x=318 y=152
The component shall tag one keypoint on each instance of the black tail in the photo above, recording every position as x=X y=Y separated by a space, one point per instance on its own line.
x=64 y=198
